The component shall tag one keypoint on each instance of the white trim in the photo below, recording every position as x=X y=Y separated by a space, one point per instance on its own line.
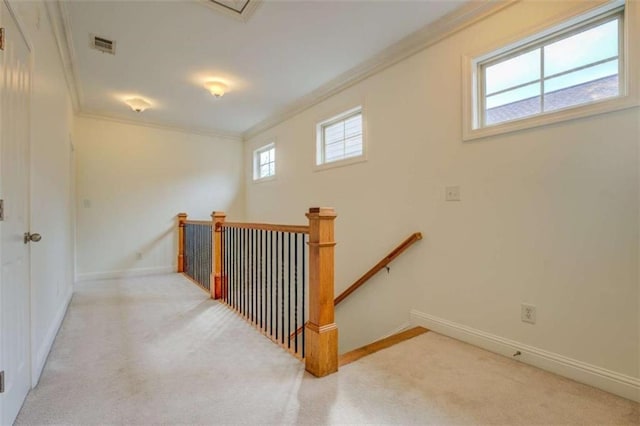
x=125 y=273
x=154 y=125
x=630 y=97
x=610 y=381
x=21 y=27
x=61 y=29
x=255 y=162
x=43 y=352
x=444 y=27
x=340 y=163
x=319 y=138
x=614 y=104
x=265 y=179
x=433 y=33
x=60 y=21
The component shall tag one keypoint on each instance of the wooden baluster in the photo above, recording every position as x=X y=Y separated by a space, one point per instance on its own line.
x=182 y=218
x=321 y=340
x=217 y=279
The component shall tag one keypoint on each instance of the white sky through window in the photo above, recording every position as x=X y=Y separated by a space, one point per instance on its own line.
x=597 y=45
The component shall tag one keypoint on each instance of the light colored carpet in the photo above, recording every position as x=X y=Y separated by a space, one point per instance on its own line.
x=156 y=350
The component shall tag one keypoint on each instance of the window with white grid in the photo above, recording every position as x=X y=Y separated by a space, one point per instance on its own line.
x=264 y=162
x=580 y=65
x=340 y=138
x=582 y=62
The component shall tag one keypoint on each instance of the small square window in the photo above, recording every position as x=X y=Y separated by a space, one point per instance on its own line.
x=264 y=162
x=340 y=138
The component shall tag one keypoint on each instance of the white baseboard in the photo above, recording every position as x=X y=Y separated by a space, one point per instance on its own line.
x=47 y=344
x=125 y=273
x=610 y=381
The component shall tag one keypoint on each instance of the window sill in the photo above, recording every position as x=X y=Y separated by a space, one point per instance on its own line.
x=571 y=113
x=265 y=179
x=340 y=163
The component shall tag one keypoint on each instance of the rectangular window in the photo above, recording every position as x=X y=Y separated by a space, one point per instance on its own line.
x=264 y=162
x=340 y=137
x=568 y=66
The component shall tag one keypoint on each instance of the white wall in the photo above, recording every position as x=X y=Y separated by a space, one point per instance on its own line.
x=51 y=185
x=549 y=216
x=135 y=180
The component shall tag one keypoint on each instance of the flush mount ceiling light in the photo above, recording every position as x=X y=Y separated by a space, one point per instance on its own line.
x=217 y=88
x=137 y=104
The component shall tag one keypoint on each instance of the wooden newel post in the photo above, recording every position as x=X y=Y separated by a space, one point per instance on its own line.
x=321 y=344
x=182 y=218
x=217 y=279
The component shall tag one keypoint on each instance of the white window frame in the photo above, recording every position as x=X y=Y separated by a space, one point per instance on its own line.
x=256 y=162
x=320 y=164
x=573 y=21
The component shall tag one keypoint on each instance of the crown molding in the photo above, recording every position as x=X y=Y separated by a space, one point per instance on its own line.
x=21 y=24
x=416 y=42
x=444 y=27
x=161 y=126
x=60 y=20
x=61 y=27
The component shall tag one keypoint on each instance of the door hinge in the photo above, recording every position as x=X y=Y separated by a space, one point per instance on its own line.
x=1 y=381
x=1 y=210
x=1 y=38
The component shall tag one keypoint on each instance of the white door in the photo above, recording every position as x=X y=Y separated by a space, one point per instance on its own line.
x=14 y=191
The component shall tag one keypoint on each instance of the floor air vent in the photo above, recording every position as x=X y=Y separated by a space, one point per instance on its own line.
x=103 y=45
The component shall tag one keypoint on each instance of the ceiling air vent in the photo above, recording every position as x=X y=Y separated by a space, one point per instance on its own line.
x=103 y=45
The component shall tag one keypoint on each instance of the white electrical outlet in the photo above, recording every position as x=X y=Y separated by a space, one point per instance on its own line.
x=452 y=193
x=528 y=313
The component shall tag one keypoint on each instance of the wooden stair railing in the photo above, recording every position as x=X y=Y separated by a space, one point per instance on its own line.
x=195 y=245
x=240 y=273
x=416 y=236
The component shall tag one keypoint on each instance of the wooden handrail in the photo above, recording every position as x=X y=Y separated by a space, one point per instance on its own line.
x=299 y=229
x=384 y=262
x=371 y=272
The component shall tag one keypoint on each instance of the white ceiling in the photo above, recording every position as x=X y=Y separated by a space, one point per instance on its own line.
x=166 y=50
